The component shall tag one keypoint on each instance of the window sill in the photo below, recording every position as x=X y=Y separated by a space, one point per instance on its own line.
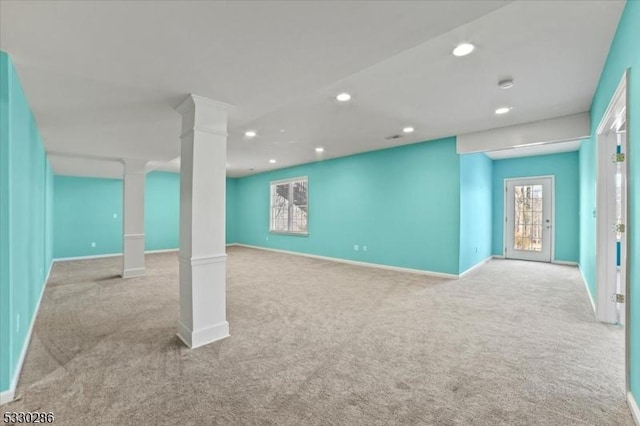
x=294 y=234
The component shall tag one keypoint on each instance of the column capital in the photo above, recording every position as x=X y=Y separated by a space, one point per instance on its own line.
x=134 y=166
x=203 y=114
x=192 y=101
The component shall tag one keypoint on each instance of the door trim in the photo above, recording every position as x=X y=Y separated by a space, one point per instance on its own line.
x=553 y=212
x=614 y=106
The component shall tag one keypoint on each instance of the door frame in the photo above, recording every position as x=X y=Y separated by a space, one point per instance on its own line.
x=553 y=213
x=619 y=100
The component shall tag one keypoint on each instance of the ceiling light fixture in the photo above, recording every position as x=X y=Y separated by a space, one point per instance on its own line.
x=343 y=97
x=502 y=110
x=319 y=149
x=463 y=49
x=408 y=129
x=272 y=161
x=250 y=133
x=507 y=83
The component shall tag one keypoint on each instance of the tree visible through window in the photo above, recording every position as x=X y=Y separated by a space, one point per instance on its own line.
x=289 y=206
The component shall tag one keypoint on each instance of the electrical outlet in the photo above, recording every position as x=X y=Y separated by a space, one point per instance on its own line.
x=267 y=238
x=364 y=248
x=93 y=243
x=115 y=215
x=356 y=247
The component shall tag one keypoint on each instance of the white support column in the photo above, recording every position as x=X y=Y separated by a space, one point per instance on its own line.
x=202 y=256
x=133 y=218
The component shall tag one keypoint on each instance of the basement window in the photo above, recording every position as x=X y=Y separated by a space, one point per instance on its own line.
x=289 y=206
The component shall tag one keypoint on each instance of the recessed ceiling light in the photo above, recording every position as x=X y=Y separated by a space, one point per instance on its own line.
x=463 y=49
x=250 y=133
x=343 y=97
x=507 y=83
x=502 y=110
x=282 y=130
x=408 y=129
x=319 y=149
x=272 y=161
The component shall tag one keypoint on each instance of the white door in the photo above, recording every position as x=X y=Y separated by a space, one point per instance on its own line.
x=611 y=218
x=528 y=218
x=620 y=219
x=612 y=244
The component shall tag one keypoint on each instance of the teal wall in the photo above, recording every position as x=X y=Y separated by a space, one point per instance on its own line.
x=624 y=54
x=232 y=211
x=588 y=216
x=161 y=211
x=476 y=209
x=89 y=210
x=565 y=168
x=402 y=203
x=25 y=220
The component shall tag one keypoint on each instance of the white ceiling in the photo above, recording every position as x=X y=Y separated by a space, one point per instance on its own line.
x=103 y=78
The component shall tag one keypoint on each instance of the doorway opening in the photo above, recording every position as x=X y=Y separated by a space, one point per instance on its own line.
x=612 y=227
x=529 y=218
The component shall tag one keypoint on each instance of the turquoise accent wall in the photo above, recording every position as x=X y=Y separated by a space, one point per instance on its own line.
x=476 y=209
x=588 y=215
x=624 y=53
x=402 y=203
x=232 y=211
x=25 y=212
x=161 y=211
x=86 y=211
x=565 y=168
x=89 y=210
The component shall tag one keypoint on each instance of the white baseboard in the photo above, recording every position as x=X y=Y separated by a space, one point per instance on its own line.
x=93 y=256
x=633 y=406
x=564 y=262
x=9 y=395
x=498 y=256
x=100 y=256
x=355 y=262
x=161 y=251
x=477 y=265
x=586 y=286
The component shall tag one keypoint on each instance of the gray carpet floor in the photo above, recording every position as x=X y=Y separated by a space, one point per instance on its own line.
x=318 y=342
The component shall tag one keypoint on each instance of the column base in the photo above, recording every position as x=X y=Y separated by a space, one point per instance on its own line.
x=133 y=255
x=135 y=272
x=197 y=338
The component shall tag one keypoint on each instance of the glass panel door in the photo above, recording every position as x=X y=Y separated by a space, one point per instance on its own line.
x=528 y=219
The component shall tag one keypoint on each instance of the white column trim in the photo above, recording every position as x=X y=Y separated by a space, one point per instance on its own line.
x=133 y=272
x=134 y=236
x=190 y=132
x=202 y=260
x=133 y=262
x=196 y=338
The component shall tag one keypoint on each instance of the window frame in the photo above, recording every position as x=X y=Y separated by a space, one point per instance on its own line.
x=288 y=181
